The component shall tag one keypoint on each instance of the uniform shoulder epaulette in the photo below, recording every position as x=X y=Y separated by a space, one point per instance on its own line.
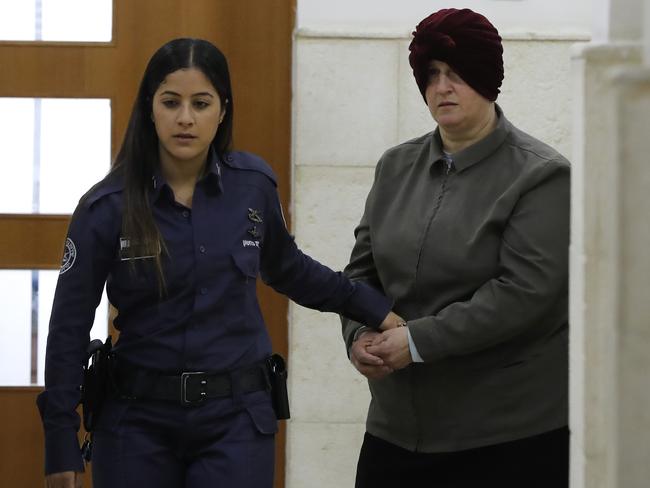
x=112 y=183
x=249 y=162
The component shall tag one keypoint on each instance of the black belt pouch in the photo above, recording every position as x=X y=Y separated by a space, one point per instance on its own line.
x=96 y=377
x=278 y=377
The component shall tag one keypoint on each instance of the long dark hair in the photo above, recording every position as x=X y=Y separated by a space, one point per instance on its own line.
x=138 y=159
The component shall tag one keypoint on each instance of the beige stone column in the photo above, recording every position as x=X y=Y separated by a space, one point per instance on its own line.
x=610 y=268
x=632 y=116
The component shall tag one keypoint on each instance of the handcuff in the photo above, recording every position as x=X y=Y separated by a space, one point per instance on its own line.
x=360 y=330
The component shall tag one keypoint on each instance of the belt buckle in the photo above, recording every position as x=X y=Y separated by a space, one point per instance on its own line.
x=202 y=393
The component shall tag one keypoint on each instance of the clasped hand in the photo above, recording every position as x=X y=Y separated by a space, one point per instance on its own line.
x=376 y=354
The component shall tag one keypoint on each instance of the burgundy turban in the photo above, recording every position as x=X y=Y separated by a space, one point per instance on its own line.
x=467 y=42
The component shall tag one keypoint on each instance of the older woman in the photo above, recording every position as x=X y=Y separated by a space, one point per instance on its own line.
x=467 y=229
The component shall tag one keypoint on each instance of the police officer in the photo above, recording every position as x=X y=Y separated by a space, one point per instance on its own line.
x=178 y=231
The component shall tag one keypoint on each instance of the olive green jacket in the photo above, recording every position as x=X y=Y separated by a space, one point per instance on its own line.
x=476 y=259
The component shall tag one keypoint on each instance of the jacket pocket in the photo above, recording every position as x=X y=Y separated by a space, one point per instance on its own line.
x=247 y=261
x=263 y=417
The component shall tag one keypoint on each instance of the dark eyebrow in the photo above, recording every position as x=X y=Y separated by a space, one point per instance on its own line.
x=200 y=94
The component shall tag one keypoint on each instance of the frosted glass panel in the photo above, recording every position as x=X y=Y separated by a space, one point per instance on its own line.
x=15 y=327
x=17 y=22
x=55 y=149
x=56 y=20
x=75 y=150
x=26 y=301
x=47 y=280
x=17 y=154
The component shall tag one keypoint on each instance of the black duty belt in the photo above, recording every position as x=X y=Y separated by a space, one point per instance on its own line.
x=190 y=387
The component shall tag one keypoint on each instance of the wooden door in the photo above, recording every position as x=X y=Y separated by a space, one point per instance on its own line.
x=255 y=36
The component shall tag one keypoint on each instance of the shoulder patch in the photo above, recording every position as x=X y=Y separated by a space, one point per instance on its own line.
x=69 y=256
x=249 y=162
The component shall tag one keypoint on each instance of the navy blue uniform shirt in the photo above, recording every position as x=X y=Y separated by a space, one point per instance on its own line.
x=208 y=319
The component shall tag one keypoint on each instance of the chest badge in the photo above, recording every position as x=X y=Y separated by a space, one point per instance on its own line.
x=253 y=232
x=254 y=216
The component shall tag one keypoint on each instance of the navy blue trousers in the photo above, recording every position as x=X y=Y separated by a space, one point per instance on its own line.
x=540 y=461
x=221 y=443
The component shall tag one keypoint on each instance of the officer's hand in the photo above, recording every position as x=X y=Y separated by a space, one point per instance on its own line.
x=370 y=366
x=66 y=479
x=391 y=321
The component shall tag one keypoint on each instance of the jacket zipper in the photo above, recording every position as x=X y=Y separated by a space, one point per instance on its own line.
x=443 y=187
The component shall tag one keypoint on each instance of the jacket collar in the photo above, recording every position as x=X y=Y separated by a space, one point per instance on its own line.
x=212 y=179
x=477 y=151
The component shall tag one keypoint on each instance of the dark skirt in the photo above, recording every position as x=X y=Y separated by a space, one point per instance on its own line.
x=541 y=461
